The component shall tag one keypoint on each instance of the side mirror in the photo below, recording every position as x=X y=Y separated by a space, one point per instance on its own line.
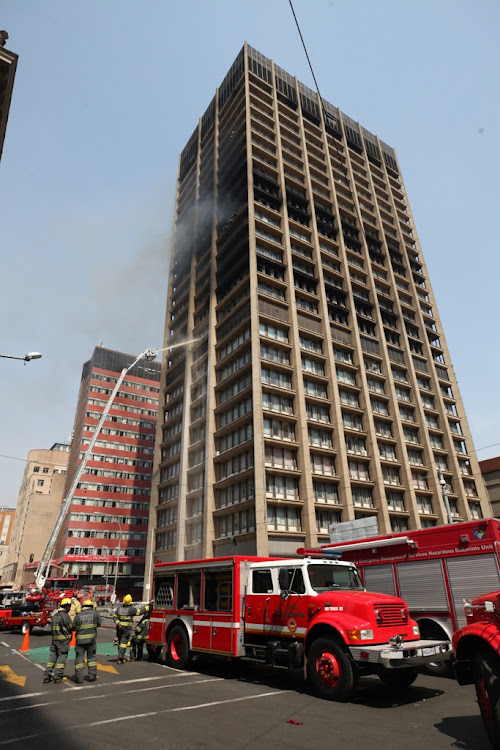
x=284 y=581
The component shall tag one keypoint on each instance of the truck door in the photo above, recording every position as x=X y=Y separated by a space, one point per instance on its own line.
x=257 y=606
x=288 y=610
x=218 y=608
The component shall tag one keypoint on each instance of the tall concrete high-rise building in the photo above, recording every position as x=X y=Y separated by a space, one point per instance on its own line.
x=8 y=65
x=104 y=535
x=320 y=388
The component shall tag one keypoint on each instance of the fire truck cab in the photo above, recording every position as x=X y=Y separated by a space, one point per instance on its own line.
x=310 y=613
x=432 y=569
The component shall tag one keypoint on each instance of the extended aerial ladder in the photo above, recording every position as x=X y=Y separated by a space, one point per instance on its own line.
x=45 y=561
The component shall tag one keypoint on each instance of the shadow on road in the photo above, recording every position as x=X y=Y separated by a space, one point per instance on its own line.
x=467 y=731
x=370 y=691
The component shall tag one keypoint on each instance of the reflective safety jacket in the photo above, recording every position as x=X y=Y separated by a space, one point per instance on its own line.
x=124 y=615
x=142 y=628
x=61 y=626
x=86 y=623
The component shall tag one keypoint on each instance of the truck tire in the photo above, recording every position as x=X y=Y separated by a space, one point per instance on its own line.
x=398 y=679
x=330 y=670
x=178 y=653
x=25 y=627
x=486 y=669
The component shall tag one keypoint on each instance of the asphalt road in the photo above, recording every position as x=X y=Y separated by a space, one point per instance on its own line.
x=217 y=705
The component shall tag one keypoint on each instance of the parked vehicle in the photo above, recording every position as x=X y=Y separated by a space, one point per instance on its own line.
x=477 y=648
x=309 y=613
x=432 y=569
x=19 y=613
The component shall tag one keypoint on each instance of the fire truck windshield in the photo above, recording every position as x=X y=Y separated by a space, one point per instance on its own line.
x=329 y=577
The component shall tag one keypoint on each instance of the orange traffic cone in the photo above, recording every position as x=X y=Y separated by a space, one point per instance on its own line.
x=73 y=639
x=25 y=645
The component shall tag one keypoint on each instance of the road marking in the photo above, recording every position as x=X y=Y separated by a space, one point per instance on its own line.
x=24 y=695
x=156 y=687
x=107 y=668
x=22 y=708
x=5 y=644
x=141 y=716
x=127 y=682
x=107 y=695
x=12 y=677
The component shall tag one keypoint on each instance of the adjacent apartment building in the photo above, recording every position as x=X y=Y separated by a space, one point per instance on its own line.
x=320 y=388
x=105 y=533
x=37 y=508
x=6 y=521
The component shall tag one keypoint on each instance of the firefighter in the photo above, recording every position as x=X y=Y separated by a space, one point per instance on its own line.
x=140 y=635
x=124 y=622
x=61 y=627
x=76 y=607
x=85 y=624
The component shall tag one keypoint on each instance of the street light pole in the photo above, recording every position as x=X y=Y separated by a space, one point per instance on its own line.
x=43 y=566
x=27 y=357
x=444 y=490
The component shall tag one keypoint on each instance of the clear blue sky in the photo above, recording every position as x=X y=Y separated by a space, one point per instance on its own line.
x=106 y=95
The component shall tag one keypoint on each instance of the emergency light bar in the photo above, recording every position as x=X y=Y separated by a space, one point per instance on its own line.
x=319 y=552
x=338 y=551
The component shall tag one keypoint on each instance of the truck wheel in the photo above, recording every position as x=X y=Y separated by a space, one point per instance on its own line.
x=178 y=653
x=330 y=670
x=486 y=666
x=399 y=679
x=25 y=627
x=153 y=652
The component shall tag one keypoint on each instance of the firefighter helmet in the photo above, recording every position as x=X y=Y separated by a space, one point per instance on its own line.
x=88 y=603
x=66 y=602
x=127 y=599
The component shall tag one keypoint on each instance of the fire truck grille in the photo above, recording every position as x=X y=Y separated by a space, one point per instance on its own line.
x=390 y=615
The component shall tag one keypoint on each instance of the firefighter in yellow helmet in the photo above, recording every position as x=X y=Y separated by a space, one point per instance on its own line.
x=86 y=623
x=124 y=621
x=61 y=627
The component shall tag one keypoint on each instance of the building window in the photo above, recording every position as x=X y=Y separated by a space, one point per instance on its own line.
x=362 y=497
x=475 y=510
x=45 y=470
x=324 y=492
x=359 y=470
x=424 y=504
x=285 y=488
x=281 y=518
x=387 y=451
x=390 y=475
x=355 y=445
x=324 y=518
x=395 y=500
x=40 y=482
x=399 y=524
x=36 y=470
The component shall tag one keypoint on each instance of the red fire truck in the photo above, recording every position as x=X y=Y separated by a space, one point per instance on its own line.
x=432 y=569
x=311 y=613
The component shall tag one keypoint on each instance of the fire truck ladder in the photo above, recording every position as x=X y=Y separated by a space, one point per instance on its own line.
x=45 y=561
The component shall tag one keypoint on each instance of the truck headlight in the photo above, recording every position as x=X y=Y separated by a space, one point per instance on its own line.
x=360 y=635
x=416 y=630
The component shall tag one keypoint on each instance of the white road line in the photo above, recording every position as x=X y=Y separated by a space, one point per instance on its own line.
x=24 y=695
x=94 y=685
x=156 y=687
x=5 y=644
x=140 y=716
x=35 y=664
x=23 y=708
x=107 y=695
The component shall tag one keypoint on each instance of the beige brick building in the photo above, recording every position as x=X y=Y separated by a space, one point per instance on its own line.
x=37 y=508
x=320 y=388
